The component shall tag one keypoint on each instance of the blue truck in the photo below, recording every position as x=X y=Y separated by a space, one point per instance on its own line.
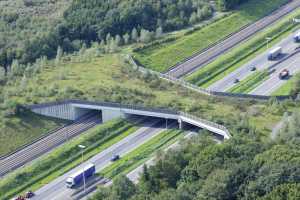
x=77 y=178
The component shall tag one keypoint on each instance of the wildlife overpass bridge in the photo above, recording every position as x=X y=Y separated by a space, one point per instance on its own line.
x=74 y=109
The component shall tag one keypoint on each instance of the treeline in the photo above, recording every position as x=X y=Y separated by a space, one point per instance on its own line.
x=87 y=21
x=225 y=5
x=242 y=168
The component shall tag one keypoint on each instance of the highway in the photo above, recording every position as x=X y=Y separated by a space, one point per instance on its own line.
x=223 y=46
x=260 y=62
x=273 y=82
x=56 y=190
x=45 y=144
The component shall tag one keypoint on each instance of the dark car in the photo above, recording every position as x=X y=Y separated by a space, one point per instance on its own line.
x=236 y=80
x=253 y=68
x=29 y=194
x=114 y=158
x=20 y=198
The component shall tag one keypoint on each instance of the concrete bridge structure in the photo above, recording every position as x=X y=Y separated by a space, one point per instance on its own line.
x=74 y=109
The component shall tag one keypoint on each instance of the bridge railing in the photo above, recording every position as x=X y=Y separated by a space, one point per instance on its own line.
x=206 y=122
x=136 y=108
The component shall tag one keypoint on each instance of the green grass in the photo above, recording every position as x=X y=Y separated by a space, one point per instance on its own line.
x=287 y=87
x=161 y=57
x=25 y=128
x=141 y=154
x=109 y=78
x=66 y=157
x=243 y=53
x=249 y=83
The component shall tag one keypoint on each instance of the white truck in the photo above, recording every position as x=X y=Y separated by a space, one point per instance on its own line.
x=274 y=53
x=77 y=178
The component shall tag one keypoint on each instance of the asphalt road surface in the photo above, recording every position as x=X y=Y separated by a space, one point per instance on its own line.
x=213 y=52
x=56 y=190
x=273 y=83
x=260 y=62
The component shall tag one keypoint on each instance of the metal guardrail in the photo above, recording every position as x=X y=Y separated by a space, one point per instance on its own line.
x=202 y=90
x=206 y=122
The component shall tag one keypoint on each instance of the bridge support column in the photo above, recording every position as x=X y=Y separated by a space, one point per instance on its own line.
x=180 y=123
x=111 y=114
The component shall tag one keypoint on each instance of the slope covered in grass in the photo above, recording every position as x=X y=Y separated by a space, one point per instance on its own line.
x=24 y=128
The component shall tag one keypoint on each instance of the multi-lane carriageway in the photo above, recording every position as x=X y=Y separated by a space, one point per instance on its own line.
x=208 y=55
x=56 y=190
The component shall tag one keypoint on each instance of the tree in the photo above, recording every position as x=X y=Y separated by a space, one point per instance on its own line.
x=122 y=188
x=59 y=55
x=118 y=40
x=126 y=38
x=158 y=32
x=146 y=36
x=193 y=18
x=134 y=35
x=16 y=68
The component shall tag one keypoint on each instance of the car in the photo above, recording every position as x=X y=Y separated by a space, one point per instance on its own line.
x=29 y=194
x=284 y=74
x=20 y=198
x=253 y=68
x=236 y=80
x=115 y=158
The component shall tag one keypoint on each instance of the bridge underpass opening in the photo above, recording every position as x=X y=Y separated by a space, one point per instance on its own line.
x=80 y=112
x=162 y=122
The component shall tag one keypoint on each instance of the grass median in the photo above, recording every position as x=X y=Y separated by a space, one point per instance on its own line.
x=243 y=53
x=142 y=153
x=64 y=158
x=250 y=83
x=161 y=57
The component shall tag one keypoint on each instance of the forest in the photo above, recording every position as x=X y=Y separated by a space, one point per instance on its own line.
x=33 y=29
x=242 y=168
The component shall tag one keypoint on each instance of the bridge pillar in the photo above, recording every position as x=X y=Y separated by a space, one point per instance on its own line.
x=108 y=114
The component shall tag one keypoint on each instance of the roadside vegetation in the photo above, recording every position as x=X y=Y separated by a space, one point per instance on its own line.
x=64 y=158
x=162 y=56
x=243 y=53
x=291 y=87
x=240 y=168
x=250 y=83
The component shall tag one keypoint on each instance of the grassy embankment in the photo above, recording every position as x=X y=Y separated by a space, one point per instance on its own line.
x=243 y=53
x=23 y=129
x=249 y=83
x=162 y=56
x=64 y=158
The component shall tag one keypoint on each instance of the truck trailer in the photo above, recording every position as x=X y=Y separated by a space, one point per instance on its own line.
x=274 y=53
x=77 y=178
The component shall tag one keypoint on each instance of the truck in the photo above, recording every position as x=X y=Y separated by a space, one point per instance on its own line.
x=274 y=53
x=284 y=74
x=297 y=37
x=77 y=178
